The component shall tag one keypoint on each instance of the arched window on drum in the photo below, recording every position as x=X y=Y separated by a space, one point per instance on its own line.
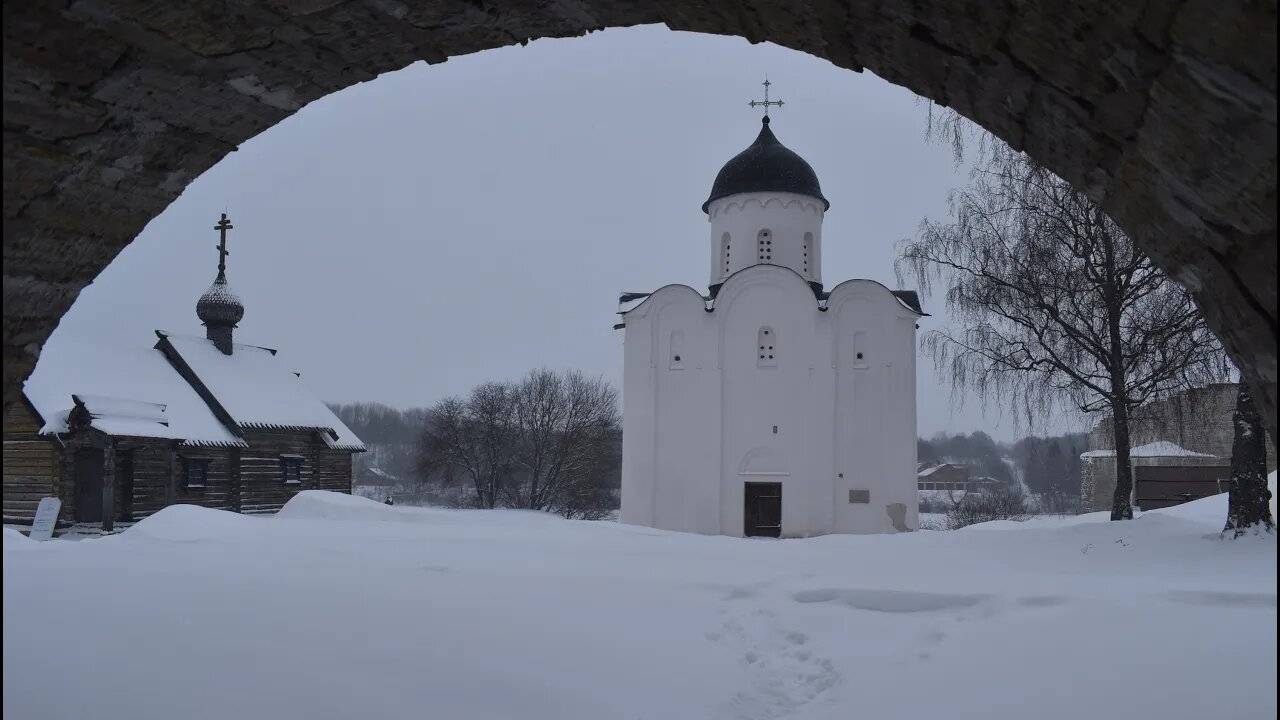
x=764 y=246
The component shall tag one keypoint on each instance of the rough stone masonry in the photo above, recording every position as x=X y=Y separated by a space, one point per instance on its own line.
x=1165 y=111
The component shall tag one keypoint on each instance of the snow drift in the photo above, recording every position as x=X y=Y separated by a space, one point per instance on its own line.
x=329 y=505
x=343 y=607
x=192 y=523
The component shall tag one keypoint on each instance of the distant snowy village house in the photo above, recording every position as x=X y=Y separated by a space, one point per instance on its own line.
x=944 y=476
x=769 y=406
x=942 y=486
x=951 y=477
x=118 y=435
x=1181 y=451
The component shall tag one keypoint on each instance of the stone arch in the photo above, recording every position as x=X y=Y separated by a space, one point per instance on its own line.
x=1165 y=113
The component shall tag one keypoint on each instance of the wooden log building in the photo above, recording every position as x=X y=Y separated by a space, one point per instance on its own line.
x=119 y=434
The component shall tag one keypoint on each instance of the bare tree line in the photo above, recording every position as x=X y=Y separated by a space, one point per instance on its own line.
x=549 y=441
x=391 y=435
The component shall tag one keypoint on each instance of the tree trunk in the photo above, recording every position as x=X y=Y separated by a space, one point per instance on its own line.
x=1249 y=499
x=535 y=487
x=1121 y=504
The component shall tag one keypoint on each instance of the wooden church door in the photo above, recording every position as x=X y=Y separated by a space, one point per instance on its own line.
x=89 y=472
x=763 y=509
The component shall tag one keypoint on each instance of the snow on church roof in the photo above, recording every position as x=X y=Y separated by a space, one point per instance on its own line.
x=257 y=390
x=133 y=392
x=1159 y=448
x=118 y=416
x=103 y=406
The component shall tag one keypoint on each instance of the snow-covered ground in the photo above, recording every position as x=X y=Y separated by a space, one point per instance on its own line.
x=342 y=607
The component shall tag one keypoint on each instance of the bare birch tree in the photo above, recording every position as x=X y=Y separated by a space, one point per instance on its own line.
x=1053 y=303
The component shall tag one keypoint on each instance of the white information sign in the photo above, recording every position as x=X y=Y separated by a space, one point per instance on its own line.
x=46 y=517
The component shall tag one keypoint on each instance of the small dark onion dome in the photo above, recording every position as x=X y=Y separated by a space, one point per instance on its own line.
x=218 y=305
x=766 y=166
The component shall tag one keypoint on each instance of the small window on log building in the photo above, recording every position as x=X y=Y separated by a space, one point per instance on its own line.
x=195 y=471
x=291 y=469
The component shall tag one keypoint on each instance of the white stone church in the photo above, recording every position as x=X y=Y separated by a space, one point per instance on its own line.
x=769 y=406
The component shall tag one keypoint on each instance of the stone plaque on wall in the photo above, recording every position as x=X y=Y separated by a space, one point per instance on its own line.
x=859 y=496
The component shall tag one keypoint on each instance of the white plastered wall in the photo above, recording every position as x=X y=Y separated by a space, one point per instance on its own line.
x=874 y=424
x=671 y=404
x=779 y=393
x=695 y=429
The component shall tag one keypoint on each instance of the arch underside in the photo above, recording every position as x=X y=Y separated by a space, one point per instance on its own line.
x=1165 y=112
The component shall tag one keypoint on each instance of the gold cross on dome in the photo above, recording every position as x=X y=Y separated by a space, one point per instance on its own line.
x=766 y=102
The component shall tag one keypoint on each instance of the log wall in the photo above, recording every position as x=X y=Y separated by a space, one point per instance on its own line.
x=248 y=480
x=152 y=477
x=262 y=488
x=32 y=467
x=217 y=492
x=333 y=470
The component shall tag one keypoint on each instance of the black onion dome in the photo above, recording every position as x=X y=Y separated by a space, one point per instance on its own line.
x=218 y=305
x=766 y=166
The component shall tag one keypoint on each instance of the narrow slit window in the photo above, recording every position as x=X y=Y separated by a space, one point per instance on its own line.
x=860 y=350
x=805 y=248
x=726 y=248
x=766 y=347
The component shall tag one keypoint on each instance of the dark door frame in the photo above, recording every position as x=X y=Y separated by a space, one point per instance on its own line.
x=89 y=477
x=757 y=524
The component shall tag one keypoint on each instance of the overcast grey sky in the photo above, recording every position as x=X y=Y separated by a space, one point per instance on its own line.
x=443 y=225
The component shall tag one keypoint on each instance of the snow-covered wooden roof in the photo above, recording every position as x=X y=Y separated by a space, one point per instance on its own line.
x=184 y=389
x=257 y=390
x=127 y=391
